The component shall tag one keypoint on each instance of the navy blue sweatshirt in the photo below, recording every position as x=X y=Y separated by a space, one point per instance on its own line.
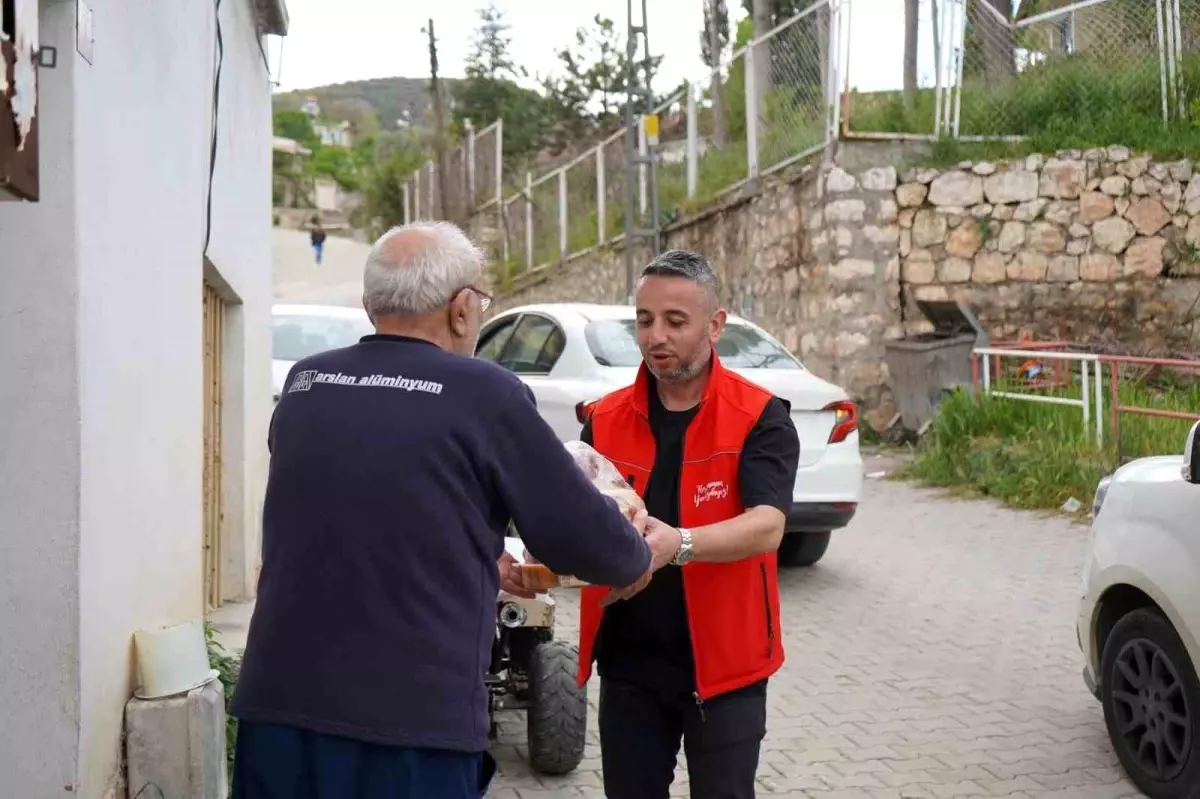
x=395 y=469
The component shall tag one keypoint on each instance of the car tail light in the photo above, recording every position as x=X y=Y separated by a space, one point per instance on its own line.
x=845 y=420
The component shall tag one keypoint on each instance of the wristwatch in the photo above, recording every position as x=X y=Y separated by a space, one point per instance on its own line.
x=685 y=553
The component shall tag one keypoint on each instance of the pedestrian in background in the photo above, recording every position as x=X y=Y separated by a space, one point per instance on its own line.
x=396 y=466
x=714 y=457
x=317 y=237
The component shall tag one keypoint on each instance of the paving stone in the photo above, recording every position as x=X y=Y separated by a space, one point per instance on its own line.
x=931 y=653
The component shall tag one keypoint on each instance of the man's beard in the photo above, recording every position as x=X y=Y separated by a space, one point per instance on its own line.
x=683 y=373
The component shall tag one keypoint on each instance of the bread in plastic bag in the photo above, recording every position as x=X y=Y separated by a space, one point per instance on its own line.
x=602 y=474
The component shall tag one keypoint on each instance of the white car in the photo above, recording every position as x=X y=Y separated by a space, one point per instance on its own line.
x=298 y=331
x=1139 y=618
x=573 y=354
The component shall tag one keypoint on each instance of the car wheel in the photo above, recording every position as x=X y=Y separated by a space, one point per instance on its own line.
x=557 y=715
x=1151 y=700
x=803 y=549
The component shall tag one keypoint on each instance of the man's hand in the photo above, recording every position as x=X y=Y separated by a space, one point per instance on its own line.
x=510 y=578
x=664 y=541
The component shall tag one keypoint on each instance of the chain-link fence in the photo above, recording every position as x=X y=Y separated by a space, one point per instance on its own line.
x=762 y=108
x=1087 y=73
x=794 y=69
x=1096 y=68
x=486 y=150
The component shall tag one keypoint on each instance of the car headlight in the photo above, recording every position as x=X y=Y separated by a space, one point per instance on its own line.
x=1101 y=493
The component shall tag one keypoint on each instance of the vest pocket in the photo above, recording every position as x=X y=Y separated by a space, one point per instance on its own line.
x=762 y=568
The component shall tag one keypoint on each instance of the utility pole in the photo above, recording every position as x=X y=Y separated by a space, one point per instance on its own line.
x=439 y=132
x=639 y=160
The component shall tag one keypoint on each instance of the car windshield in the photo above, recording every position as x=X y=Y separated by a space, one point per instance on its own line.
x=297 y=336
x=613 y=342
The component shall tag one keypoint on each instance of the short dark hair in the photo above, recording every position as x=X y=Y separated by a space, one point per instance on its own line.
x=685 y=264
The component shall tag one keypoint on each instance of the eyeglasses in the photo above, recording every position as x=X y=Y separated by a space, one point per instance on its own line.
x=485 y=299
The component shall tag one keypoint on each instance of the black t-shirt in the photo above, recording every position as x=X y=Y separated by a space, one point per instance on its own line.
x=645 y=639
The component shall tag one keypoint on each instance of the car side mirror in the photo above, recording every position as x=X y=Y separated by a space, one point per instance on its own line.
x=1191 y=456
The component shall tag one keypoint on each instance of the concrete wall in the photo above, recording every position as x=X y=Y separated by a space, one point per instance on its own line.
x=100 y=303
x=39 y=453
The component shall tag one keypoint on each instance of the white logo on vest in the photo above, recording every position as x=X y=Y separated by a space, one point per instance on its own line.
x=714 y=490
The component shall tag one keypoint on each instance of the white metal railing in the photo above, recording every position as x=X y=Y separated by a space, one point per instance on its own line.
x=566 y=212
x=1089 y=368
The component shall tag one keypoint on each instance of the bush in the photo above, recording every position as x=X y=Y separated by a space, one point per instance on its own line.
x=1035 y=455
x=228 y=666
x=1074 y=102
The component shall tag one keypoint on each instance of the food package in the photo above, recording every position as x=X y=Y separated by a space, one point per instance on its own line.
x=602 y=474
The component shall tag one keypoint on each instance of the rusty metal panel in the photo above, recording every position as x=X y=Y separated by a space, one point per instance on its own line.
x=213 y=513
x=19 y=99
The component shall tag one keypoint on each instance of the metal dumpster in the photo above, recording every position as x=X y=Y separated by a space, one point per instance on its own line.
x=925 y=366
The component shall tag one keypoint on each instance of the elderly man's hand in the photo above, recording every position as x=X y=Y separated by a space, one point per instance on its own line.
x=510 y=578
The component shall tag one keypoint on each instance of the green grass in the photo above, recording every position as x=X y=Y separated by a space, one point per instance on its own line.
x=1037 y=455
x=1074 y=102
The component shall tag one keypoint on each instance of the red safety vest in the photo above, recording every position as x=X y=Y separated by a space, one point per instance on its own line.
x=732 y=608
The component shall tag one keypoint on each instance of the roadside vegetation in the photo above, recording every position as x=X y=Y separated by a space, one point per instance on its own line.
x=1038 y=456
x=228 y=665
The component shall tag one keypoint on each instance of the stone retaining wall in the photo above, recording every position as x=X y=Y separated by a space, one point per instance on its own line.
x=1092 y=246
x=1079 y=246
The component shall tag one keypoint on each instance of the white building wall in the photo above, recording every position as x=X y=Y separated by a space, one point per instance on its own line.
x=39 y=455
x=100 y=306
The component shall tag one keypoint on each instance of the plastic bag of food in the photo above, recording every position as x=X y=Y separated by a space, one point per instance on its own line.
x=602 y=474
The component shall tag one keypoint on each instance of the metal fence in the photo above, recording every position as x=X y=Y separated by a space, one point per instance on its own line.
x=768 y=105
x=1104 y=65
x=1131 y=405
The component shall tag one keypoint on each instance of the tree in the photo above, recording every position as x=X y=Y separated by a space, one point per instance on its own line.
x=713 y=41
x=911 y=30
x=297 y=126
x=383 y=190
x=490 y=91
x=592 y=87
x=490 y=45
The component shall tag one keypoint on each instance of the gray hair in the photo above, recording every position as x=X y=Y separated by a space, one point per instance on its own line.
x=422 y=277
x=686 y=264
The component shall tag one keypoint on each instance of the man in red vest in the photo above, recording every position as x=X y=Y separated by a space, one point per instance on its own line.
x=685 y=654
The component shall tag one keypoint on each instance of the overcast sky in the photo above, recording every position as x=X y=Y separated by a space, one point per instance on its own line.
x=357 y=39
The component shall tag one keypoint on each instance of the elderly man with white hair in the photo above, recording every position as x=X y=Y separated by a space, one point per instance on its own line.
x=396 y=465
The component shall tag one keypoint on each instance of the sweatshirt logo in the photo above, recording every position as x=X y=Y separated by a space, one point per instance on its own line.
x=304 y=381
x=714 y=490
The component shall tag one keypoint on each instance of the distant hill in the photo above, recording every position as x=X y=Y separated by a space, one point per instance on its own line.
x=389 y=99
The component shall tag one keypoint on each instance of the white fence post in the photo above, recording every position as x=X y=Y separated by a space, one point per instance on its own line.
x=1162 y=58
x=562 y=213
x=500 y=159
x=751 y=113
x=529 y=220
x=1085 y=396
x=502 y=218
x=471 y=200
x=832 y=76
x=417 y=194
x=643 y=151
x=961 y=38
x=407 y=189
x=1099 y=387
x=433 y=179
x=692 y=143
x=601 y=196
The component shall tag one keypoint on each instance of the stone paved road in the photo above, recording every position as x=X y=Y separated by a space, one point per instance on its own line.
x=932 y=653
